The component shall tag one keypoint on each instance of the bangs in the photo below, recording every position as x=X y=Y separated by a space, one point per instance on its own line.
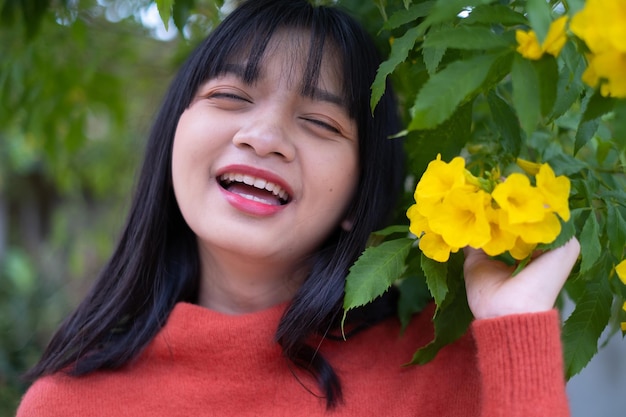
x=247 y=37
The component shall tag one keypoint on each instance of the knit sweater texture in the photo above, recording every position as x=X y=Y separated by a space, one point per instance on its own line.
x=204 y=363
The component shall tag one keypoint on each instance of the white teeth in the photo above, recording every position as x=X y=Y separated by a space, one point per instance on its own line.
x=259 y=183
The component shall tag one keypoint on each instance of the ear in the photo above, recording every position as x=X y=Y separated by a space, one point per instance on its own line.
x=347 y=224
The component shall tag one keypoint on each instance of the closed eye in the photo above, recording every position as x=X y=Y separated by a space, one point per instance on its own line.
x=322 y=124
x=228 y=96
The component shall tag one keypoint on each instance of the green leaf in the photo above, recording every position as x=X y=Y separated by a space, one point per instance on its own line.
x=615 y=230
x=582 y=329
x=399 y=52
x=590 y=248
x=539 y=17
x=548 y=76
x=506 y=122
x=414 y=293
x=569 y=86
x=402 y=17
x=526 y=95
x=467 y=37
x=495 y=14
x=446 y=139
x=390 y=230
x=445 y=91
x=453 y=317
x=374 y=272
x=165 y=10
x=619 y=125
x=449 y=9
x=436 y=278
x=432 y=57
x=564 y=164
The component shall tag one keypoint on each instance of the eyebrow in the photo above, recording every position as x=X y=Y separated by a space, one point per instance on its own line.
x=240 y=71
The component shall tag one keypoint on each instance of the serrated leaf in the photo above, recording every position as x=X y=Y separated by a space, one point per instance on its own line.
x=495 y=14
x=165 y=10
x=432 y=57
x=399 y=52
x=436 y=278
x=615 y=230
x=539 y=17
x=582 y=329
x=390 y=230
x=466 y=37
x=590 y=248
x=445 y=91
x=526 y=95
x=506 y=122
x=402 y=17
x=374 y=272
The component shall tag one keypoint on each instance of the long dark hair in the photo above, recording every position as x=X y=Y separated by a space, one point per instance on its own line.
x=156 y=262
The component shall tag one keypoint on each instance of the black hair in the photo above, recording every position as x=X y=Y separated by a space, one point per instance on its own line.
x=156 y=262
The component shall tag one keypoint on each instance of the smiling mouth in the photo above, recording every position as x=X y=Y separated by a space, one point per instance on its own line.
x=254 y=188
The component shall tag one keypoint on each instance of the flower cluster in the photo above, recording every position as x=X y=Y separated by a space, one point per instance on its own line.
x=454 y=209
x=601 y=24
x=529 y=46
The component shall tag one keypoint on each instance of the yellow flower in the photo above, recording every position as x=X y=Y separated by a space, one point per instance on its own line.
x=555 y=191
x=434 y=247
x=437 y=181
x=556 y=37
x=529 y=46
x=531 y=168
x=543 y=231
x=624 y=322
x=528 y=43
x=522 y=202
x=522 y=250
x=602 y=25
x=430 y=242
x=621 y=271
x=501 y=240
x=609 y=70
x=461 y=218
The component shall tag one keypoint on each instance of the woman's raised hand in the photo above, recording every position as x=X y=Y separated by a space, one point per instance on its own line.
x=493 y=292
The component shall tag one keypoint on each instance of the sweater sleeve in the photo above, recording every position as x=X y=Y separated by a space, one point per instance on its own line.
x=521 y=365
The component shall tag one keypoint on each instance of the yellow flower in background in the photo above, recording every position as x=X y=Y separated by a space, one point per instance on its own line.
x=621 y=271
x=601 y=24
x=608 y=69
x=624 y=323
x=555 y=191
x=521 y=202
x=528 y=43
x=531 y=168
x=529 y=46
x=461 y=219
x=556 y=37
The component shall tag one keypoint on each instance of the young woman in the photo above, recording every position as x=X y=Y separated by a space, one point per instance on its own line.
x=264 y=174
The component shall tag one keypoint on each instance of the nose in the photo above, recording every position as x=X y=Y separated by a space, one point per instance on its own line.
x=266 y=133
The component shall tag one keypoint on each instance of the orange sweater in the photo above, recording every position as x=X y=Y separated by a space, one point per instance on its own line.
x=204 y=363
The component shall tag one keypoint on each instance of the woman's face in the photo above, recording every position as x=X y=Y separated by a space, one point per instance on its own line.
x=260 y=170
